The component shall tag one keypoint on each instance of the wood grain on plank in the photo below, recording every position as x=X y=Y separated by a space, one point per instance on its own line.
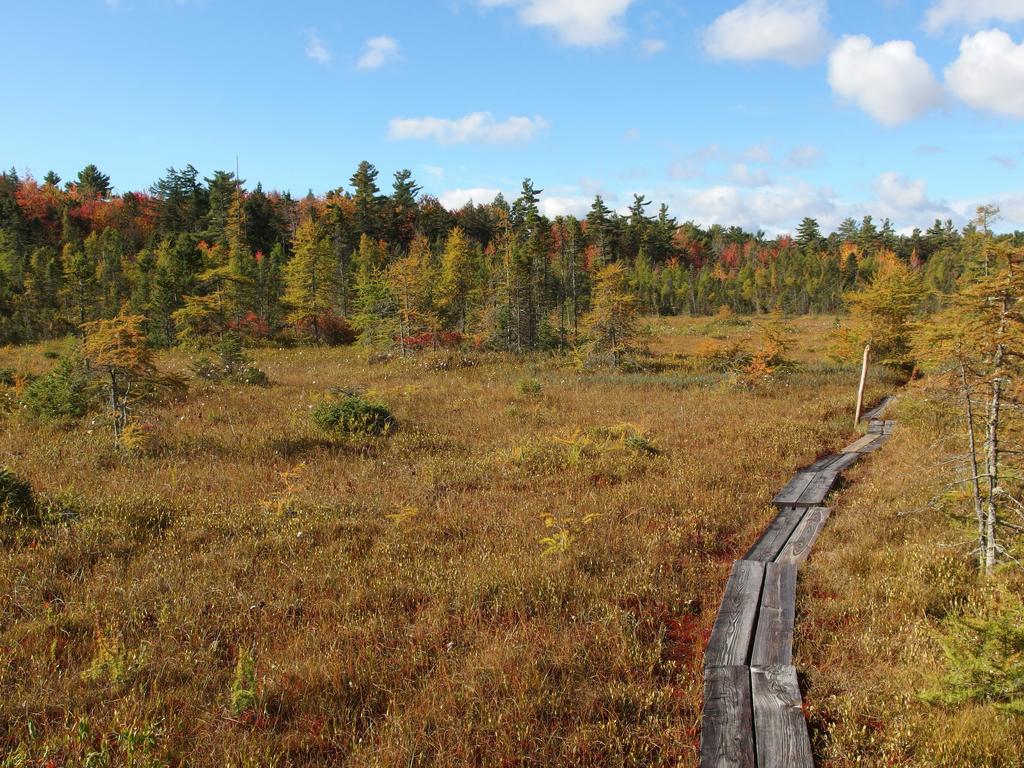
x=775 y=536
x=773 y=639
x=799 y=545
x=817 y=489
x=733 y=633
x=794 y=488
x=862 y=443
x=843 y=462
x=727 y=729
x=781 y=731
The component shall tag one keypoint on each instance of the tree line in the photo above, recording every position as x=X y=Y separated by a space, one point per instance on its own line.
x=201 y=257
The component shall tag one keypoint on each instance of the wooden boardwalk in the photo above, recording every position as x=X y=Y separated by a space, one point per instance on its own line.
x=753 y=710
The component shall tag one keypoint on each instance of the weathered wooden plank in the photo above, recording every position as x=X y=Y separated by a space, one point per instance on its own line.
x=823 y=463
x=876 y=427
x=779 y=725
x=799 y=545
x=879 y=409
x=733 y=632
x=727 y=727
x=843 y=462
x=888 y=427
x=793 y=489
x=863 y=443
x=775 y=536
x=773 y=639
x=879 y=442
x=817 y=489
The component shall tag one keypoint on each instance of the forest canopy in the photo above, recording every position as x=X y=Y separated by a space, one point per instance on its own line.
x=200 y=256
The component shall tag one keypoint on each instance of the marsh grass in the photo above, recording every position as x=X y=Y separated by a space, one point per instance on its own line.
x=891 y=576
x=508 y=579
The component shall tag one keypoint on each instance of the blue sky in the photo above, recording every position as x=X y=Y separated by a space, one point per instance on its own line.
x=752 y=113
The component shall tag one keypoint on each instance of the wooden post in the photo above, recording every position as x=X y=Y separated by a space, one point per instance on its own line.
x=863 y=381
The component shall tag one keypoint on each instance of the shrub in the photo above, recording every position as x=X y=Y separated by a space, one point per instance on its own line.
x=8 y=378
x=243 y=684
x=985 y=659
x=231 y=365
x=721 y=357
x=17 y=502
x=428 y=340
x=528 y=386
x=334 y=331
x=350 y=414
x=63 y=393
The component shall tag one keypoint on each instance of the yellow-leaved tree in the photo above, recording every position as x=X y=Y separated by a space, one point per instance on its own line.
x=612 y=327
x=118 y=350
x=882 y=316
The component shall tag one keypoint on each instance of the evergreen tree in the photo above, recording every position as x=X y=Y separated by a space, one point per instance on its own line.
x=612 y=329
x=366 y=196
x=93 y=184
x=309 y=278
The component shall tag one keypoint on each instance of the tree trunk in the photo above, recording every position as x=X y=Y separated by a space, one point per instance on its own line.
x=979 y=512
x=863 y=382
x=992 y=455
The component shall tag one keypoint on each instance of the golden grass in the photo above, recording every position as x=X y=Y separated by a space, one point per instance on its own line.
x=887 y=569
x=505 y=580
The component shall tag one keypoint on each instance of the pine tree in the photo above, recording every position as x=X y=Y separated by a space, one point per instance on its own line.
x=309 y=277
x=80 y=286
x=367 y=201
x=612 y=326
x=458 y=269
x=377 y=314
x=883 y=316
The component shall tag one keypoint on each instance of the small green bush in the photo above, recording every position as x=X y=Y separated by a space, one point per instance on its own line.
x=243 y=684
x=17 y=503
x=231 y=365
x=529 y=387
x=63 y=393
x=984 y=659
x=350 y=414
x=8 y=377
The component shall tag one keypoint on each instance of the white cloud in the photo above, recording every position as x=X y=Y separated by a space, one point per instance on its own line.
x=888 y=81
x=317 y=50
x=791 y=31
x=477 y=127
x=455 y=199
x=989 y=73
x=759 y=153
x=653 y=46
x=576 y=22
x=901 y=193
x=571 y=205
x=379 y=51
x=804 y=156
x=971 y=13
x=773 y=209
x=745 y=176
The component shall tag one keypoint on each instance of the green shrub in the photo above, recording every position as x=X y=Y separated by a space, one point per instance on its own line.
x=985 y=659
x=63 y=393
x=231 y=365
x=17 y=502
x=350 y=414
x=243 y=684
x=8 y=377
x=528 y=387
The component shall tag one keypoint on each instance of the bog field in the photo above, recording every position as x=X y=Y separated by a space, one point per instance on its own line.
x=523 y=571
